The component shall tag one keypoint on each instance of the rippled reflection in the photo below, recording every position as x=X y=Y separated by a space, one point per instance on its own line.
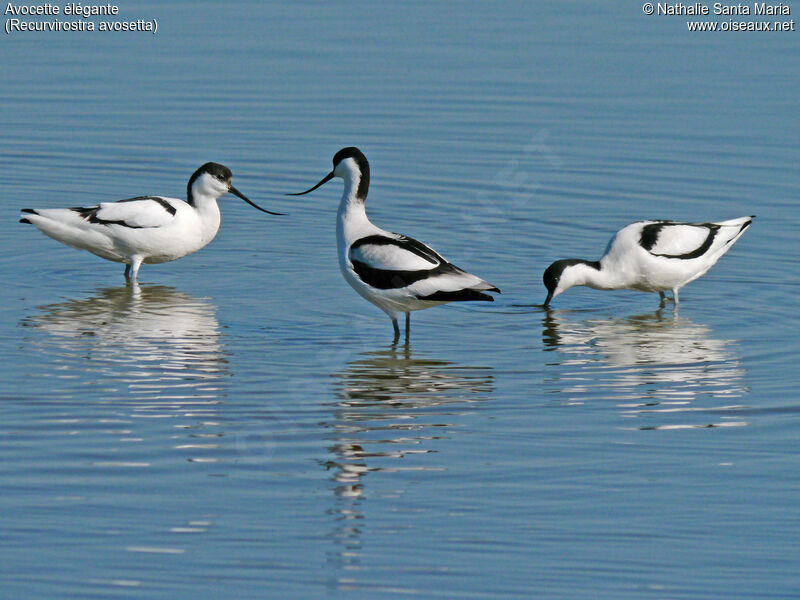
x=652 y=364
x=150 y=350
x=392 y=405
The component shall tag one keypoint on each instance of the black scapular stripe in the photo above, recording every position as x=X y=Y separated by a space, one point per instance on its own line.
x=90 y=213
x=406 y=243
x=387 y=279
x=458 y=295
x=164 y=204
x=384 y=279
x=650 y=233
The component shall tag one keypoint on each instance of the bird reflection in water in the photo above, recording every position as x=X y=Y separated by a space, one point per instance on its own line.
x=651 y=364
x=150 y=349
x=391 y=405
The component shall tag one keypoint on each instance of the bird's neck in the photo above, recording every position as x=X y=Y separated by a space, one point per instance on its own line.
x=591 y=274
x=356 y=184
x=351 y=221
x=203 y=202
x=207 y=209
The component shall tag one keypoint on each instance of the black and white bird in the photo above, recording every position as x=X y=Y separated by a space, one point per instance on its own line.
x=396 y=273
x=145 y=229
x=649 y=256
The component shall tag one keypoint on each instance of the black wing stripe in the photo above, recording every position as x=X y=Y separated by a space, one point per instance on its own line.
x=650 y=233
x=90 y=213
x=458 y=295
x=384 y=279
x=406 y=243
x=164 y=204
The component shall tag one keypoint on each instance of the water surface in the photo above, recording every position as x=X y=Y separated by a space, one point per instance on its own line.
x=239 y=425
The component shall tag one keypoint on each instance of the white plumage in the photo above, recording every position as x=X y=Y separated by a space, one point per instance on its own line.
x=649 y=256
x=145 y=229
x=396 y=273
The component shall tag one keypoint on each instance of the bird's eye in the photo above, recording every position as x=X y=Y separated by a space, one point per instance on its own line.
x=221 y=177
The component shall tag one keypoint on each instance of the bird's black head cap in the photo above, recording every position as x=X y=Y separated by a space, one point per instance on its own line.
x=551 y=277
x=217 y=170
x=363 y=166
x=552 y=274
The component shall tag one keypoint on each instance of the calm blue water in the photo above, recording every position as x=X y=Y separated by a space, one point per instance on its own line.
x=239 y=424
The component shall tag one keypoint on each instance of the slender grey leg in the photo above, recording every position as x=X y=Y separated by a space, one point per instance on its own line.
x=661 y=295
x=675 y=296
x=136 y=262
x=408 y=325
x=396 y=331
x=128 y=272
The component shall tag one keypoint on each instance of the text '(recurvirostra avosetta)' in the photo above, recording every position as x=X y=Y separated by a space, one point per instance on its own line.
x=27 y=17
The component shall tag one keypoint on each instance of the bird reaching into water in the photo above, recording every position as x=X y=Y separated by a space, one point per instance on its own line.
x=649 y=256
x=145 y=229
x=396 y=273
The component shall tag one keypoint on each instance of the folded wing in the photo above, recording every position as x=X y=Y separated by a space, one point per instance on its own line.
x=135 y=213
x=401 y=262
x=678 y=240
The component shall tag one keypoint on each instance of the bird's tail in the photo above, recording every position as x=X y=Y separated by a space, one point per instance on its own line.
x=464 y=295
x=28 y=211
x=733 y=229
x=460 y=286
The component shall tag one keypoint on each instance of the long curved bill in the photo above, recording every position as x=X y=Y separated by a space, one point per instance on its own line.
x=236 y=192
x=547 y=301
x=325 y=179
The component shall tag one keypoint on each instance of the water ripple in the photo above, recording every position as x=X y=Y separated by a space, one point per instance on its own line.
x=655 y=365
x=144 y=352
x=391 y=405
